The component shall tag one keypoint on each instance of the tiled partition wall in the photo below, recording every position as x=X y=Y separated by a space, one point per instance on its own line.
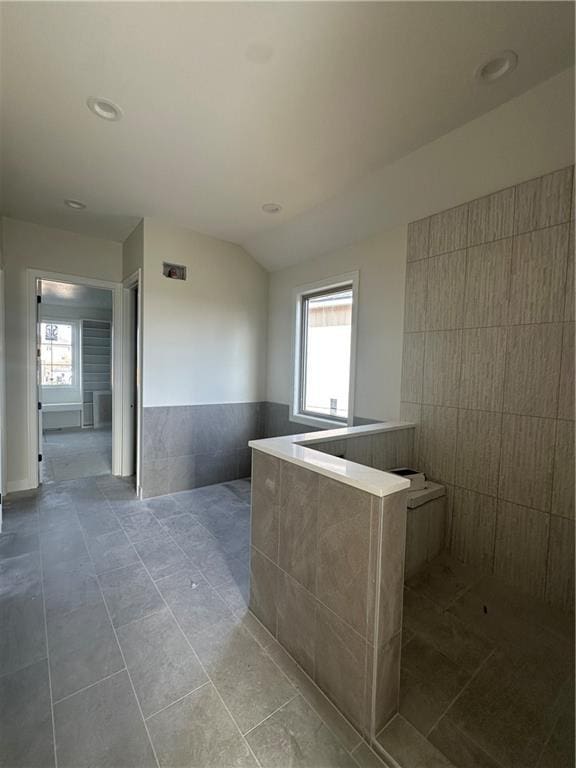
x=327 y=569
x=488 y=372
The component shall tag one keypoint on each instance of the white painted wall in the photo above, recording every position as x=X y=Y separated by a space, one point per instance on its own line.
x=526 y=137
x=381 y=262
x=204 y=339
x=133 y=251
x=26 y=246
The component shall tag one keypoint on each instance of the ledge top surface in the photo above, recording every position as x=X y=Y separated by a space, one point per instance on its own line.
x=299 y=449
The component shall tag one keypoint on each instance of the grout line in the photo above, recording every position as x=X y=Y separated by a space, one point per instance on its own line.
x=208 y=676
x=455 y=699
x=48 y=660
x=87 y=687
x=176 y=701
x=273 y=713
x=123 y=657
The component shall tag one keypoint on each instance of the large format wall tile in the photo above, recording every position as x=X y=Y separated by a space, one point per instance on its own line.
x=538 y=275
x=566 y=394
x=393 y=537
x=544 y=201
x=491 y=218
x=563 y=483
x=264 y=577
x=340 y=664
x=487 y=284
x=438 y=442
x=298 y=515
x=413 y=367
x=527 y=461
x=521 y=547
x=448 y=230
x=393 y=449
x=483 y=363
x=343 y=528
x=560 y=576
x=442 y=368
x=478 y=451
x=533 y=369
x=415 y=303
x=445 y=294
x=296 y=622
x=265 y=504
x=569 y=302
x=473 y=528
x=417 y=239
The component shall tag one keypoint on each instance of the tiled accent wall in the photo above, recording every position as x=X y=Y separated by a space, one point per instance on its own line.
x=326 y=579
x=488 y=373
x=188 y=446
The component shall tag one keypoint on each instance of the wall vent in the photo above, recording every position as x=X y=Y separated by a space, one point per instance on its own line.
x=174 y=271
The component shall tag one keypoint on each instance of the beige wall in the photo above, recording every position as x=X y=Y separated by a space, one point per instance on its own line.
x=381 y=264
x=489 y=375
x=204 y=338
x=32 y=246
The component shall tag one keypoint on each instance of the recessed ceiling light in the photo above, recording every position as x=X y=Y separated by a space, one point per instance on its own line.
x=75 y=205
x=496 y=67
x=271 y=208
x=104 y=108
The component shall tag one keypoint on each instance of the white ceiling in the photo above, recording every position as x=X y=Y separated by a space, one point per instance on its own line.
x=72 y=295
x=231 y=105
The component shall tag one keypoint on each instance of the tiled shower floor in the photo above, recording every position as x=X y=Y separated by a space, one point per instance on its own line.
x=487 y=676
x=125 y=639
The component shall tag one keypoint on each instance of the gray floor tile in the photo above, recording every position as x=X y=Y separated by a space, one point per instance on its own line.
x=20 y=521
x=82 y=465
x=366 y=757
x=111 y=550
x=235 y=596
x=129 y=593
x=140 y=526
x=14 y=544
x=295 y=736
x=195 y=604
x=70 y=585
x=198 y=731
x=83 y=649
x=249 y=682
x=26 y=719
x=96 y=524
x=458 y=747
x=101 y=726
x=161 y=555
x=162 y=507
x=161 y=663
x=20 y=576
x=409 y=748
x=60 y=545
x=179 y=523
x=22 y=635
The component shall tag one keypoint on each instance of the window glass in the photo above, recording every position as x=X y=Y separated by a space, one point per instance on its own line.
x=325 y=346
x=56 y=354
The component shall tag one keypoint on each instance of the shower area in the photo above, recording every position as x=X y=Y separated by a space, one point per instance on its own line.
x=473 y=666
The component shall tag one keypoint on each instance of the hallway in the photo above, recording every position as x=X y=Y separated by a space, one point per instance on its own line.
x=126 y=640
x=70 y=454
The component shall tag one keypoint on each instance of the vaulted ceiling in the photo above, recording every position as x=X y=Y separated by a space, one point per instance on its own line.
x=228 y=106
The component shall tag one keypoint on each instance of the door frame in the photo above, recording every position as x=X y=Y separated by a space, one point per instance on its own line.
x=132 y=365
x=3 y=474
x=33 y=275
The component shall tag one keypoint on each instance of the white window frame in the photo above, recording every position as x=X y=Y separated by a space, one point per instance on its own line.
x=300 y=293
x=76 y=352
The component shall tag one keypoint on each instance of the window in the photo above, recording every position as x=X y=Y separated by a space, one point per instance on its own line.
x=57 y=354
x=325 y=344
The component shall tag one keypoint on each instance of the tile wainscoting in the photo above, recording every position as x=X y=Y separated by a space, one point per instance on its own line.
x=188 y=446
x=488 y=374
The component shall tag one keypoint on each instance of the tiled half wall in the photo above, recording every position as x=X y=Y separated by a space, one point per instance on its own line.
x=488 y=374
x=327 y=569
x=188 y=446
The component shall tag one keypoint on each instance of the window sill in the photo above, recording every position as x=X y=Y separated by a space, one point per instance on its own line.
x=319 y=421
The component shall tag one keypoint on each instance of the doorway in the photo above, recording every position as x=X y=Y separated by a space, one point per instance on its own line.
x=82 y=410
x=74 y=380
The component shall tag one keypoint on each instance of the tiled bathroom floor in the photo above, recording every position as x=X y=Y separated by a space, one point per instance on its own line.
x=487 y=676
x=125 y=639
x=72 y=454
